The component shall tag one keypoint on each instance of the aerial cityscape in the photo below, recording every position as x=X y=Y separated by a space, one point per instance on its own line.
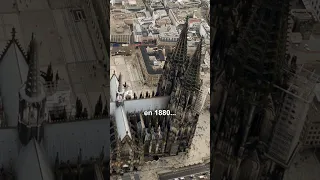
x=159 y=89
x=265 y=101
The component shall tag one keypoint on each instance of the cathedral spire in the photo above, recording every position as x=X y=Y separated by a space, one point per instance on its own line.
x=120 y=83
x=32 y=84
x=13 y=33
x=192 y=75
x=179 y=55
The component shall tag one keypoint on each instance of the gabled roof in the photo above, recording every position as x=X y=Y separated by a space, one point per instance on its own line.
x=91 y=136
x=138 y=105
x=120 y=83
x=13 y=73
x=122 y=123
x=13 y=41
x=14 y=53
x=32 y=164
x=154 y=103
x=113 y=87
x=9 y=146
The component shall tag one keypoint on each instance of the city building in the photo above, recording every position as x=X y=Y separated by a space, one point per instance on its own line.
x=159 y=13
x=134 y=5
x=168 y=36
x=204 y=30
x=130 y=5
x=154 y=5
x=151 y=61
x=138 y=134
x=302 y=22
x=178 y=16
x=113 y=2
x=120 y=31
x=313 y=7
x=292 y=116
x=172 y=4
x=311 y=129
x=182 y=3
x=164 y=21
x=145 y=31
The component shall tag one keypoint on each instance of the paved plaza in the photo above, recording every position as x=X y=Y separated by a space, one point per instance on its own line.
x=131 y=74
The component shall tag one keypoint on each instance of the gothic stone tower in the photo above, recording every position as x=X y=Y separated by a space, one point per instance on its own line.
x=32 y=111
x=181 y=81
x=175 y=65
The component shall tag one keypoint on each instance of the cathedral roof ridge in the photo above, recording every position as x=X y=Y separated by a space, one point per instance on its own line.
x=114 y=75
x=33 y=162
x=122 y=123
x=120 y=89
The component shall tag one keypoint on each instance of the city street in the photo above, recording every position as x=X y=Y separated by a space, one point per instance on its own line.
x=186 y=172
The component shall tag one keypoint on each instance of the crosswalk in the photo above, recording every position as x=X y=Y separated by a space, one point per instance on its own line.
x=129 y=177
x=203 y=176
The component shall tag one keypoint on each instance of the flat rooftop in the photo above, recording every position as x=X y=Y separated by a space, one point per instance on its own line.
x=170 y=4
x=119 y=21
x=134 y=3
x=163 y=21
x=181 y=14
x=148 y=61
